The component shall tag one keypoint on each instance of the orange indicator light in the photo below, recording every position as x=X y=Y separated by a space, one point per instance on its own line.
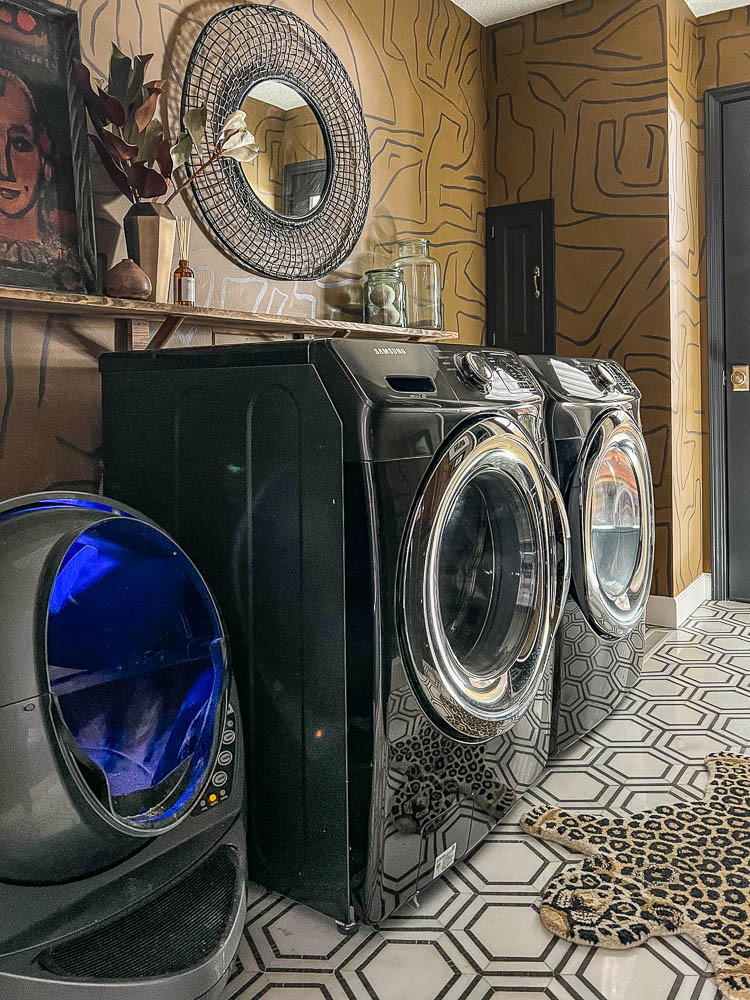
x=319 y=734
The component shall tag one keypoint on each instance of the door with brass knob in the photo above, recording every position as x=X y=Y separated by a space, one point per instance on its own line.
x=521 y=277
x=727 y=149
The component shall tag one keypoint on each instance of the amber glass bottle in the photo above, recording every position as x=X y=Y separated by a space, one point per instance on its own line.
x=183 y=288
x=184 y=285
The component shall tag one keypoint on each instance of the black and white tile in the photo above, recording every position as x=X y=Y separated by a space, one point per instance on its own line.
x=475 y=934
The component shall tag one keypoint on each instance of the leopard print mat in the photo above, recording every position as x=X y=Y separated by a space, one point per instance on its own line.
x=676 y=869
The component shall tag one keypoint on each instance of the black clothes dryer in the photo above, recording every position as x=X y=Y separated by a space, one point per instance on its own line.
x=122 y=836
x=391 y=554
x=601 y=462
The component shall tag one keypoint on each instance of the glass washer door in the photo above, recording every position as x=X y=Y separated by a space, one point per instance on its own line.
x=612 y=520
x=477 y=582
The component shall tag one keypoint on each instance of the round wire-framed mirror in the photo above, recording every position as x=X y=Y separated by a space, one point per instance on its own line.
x=297 y=211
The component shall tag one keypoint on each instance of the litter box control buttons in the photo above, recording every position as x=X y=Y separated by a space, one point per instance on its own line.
x=219 y=787
x=207 y=803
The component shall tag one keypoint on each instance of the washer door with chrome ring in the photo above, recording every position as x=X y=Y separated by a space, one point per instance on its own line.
x=611 y=510
x=477 y=582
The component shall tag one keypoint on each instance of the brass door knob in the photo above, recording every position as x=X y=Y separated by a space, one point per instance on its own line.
x=740 y=378
x=537 y=275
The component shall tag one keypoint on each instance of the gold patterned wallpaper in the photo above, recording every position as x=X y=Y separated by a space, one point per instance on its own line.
x=596 y=104
x=283 y=137
x=578 y=112
x=418 y=70
x=268 y=125
x=725 y=44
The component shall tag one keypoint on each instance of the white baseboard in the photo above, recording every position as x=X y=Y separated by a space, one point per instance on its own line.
x=671 y=612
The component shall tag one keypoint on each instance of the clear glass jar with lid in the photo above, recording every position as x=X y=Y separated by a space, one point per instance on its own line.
x=422 y=278
x=384 y=297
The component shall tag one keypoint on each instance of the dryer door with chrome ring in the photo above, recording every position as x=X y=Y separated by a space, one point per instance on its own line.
x=611 y=511
x=479 y=581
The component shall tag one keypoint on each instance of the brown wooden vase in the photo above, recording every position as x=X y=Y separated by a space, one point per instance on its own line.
x=127 y=280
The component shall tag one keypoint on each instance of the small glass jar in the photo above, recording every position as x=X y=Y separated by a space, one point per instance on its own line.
x=384 y=297
x=422 y=278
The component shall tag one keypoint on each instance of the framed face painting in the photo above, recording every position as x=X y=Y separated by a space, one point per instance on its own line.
x=46 y=214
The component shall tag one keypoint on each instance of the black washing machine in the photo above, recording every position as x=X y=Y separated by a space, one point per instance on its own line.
x=122 y=835
x=391 y=554
x=601 y=462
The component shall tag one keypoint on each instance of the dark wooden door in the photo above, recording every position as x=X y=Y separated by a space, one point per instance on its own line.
x=521 y=277
x=736 y=252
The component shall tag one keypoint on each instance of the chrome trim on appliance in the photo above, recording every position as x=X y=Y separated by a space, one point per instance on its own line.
x=562 y=545
x=611 y=618
x=475 y=709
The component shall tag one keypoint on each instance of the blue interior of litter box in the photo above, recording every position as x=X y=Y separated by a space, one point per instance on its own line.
x=136 y=660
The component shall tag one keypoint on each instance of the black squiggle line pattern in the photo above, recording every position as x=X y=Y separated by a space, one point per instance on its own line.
x=594 y=104
x=420 y=71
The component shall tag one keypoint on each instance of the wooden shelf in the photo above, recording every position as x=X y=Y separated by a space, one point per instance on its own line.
x=129 y=313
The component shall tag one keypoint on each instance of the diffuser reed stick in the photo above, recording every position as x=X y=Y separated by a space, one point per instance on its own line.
x=183 y=235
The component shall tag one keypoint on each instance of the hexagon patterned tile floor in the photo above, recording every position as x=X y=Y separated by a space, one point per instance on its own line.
x=476 y=934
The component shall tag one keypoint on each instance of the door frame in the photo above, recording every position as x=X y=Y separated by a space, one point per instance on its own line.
x=714 y=101
x=546 y=207
x=292 y=172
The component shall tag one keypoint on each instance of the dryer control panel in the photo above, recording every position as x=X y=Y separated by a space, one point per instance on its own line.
x=590 y=379
x=219 y=786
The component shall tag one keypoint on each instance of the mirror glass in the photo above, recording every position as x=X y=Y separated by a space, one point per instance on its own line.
x=290 y=173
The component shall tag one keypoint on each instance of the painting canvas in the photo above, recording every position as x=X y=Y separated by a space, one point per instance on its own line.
x=46 y=219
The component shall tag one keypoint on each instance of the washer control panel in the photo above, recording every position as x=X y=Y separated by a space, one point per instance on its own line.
x=474 y=370
x=219 y=786
x=490 y=374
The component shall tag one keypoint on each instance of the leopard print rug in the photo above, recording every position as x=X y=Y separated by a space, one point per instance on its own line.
x=676 y=869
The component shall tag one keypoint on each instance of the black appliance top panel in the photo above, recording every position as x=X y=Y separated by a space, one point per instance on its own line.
x=582 y=379
x=292 y=352
x=390 y=373
x=385 y=372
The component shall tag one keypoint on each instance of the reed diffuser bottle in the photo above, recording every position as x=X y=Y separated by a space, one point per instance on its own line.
x=184 y=279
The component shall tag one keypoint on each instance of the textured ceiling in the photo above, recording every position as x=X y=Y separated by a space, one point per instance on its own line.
x=701 y=7
x=494 y=11
x=278 y=95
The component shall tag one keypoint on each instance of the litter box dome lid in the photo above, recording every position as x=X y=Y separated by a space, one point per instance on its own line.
x=111 y=629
